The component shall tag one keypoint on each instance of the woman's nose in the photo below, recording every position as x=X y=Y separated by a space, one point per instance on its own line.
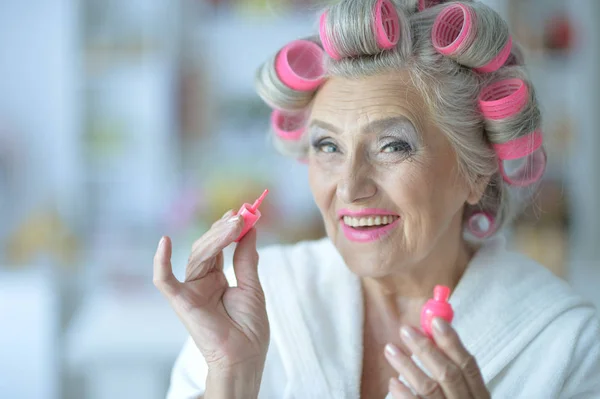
x=356 y=183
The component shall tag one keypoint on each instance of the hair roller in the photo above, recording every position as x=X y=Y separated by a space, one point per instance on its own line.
x=503 y=99
x=299 y=65
x=525 y=171
x=289 y=79
x=288 y=126
x=473 y=35
x=512 y=121
x=362 y=27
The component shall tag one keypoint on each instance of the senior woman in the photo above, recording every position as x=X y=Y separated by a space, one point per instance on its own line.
x=408 y=114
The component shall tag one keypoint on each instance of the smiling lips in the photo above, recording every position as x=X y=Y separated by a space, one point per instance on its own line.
x=368 y=224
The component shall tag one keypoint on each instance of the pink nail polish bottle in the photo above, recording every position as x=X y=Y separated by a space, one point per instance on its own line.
x=436 y=307
x=250 y=214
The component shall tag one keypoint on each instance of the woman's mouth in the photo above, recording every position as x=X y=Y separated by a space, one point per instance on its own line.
x=368 y=223
x=363 y=227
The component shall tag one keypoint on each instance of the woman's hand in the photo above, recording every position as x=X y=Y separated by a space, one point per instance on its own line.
x=228 y=324
x=455 y=374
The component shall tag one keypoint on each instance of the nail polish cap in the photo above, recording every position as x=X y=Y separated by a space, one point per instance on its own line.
x=436 y=307
x=250 y=214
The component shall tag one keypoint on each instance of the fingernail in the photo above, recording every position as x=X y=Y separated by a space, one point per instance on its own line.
x=227 y=214
x=408 y=334
x=234 y=219
x=391 y=350
x=441 y=326
x=161 y=242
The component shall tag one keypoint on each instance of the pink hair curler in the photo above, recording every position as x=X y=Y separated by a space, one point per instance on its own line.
x=386 y=28
x=423 y=4
x=299 y=65
x=327 y=45
x=503 y=99
x=387 y=24
x=498 y=61
x=530 y=170
x=436 y=307
x=250 y=214
x=451 y=28
x=288 y=126
x=519 y=147
x=481 y=225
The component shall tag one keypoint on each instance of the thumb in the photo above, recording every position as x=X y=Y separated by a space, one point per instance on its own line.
x=245 y=262
x=163 y=276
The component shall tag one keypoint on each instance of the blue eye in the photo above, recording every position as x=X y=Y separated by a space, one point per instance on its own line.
x=397 y=146
x=326 y=147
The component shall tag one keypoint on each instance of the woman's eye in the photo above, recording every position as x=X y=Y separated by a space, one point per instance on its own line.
x=397 y=146
x=326 y=147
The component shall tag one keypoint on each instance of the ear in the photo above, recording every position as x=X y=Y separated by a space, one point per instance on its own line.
x=478 y=189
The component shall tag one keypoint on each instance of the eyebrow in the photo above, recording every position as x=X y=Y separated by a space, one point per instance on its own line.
x=376 y=125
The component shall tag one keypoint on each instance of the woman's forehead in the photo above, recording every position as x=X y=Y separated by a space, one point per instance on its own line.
x=358 y=102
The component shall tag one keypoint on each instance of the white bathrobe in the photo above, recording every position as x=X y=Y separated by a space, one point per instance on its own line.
x=531 y=335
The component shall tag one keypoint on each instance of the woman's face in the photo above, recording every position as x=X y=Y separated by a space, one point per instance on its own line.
x=384 y=177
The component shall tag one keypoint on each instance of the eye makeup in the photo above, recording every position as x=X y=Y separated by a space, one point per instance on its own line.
x=396 y=130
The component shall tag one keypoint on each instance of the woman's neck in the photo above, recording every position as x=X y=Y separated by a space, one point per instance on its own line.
x=399 y=297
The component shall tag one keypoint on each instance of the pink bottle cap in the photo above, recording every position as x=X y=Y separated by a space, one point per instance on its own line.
x=250 y=214
x=499 y=60
x=387 y=24
x=530 y=170
x=288 y=125
x=441 y=293
x=451 y=28
x=436 y=307
x=503 y=99
x=481 y=225
x=299 y=65
x=327 y=45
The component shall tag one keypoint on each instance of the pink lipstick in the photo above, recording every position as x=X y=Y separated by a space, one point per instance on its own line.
x=367 y=225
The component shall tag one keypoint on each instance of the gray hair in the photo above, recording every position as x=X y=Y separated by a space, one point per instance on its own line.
x=449 y=85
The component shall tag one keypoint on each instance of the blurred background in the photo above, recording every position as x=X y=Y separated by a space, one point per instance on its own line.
x=121 y=121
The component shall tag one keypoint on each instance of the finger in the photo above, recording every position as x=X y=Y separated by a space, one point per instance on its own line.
x=219 y=222
x=163 y=276
x=424 y=386
x=210 y=245
x=441 y=368
x=227 y=214
x=399 y=390
x=448 y=341
x=245 y=262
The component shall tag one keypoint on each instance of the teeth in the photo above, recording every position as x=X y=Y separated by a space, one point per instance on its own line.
x=369 y=221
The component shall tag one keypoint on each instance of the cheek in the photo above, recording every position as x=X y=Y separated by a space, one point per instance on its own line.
x=426 y=194
x=322 y=184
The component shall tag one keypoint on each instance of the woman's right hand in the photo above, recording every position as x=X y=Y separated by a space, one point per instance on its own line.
x=228 y=324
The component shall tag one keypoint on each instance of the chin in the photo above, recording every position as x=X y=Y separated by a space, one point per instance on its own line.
x=372 y=258
x=369 y=263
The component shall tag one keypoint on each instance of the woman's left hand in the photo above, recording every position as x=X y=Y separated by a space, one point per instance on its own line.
x=454 y=371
